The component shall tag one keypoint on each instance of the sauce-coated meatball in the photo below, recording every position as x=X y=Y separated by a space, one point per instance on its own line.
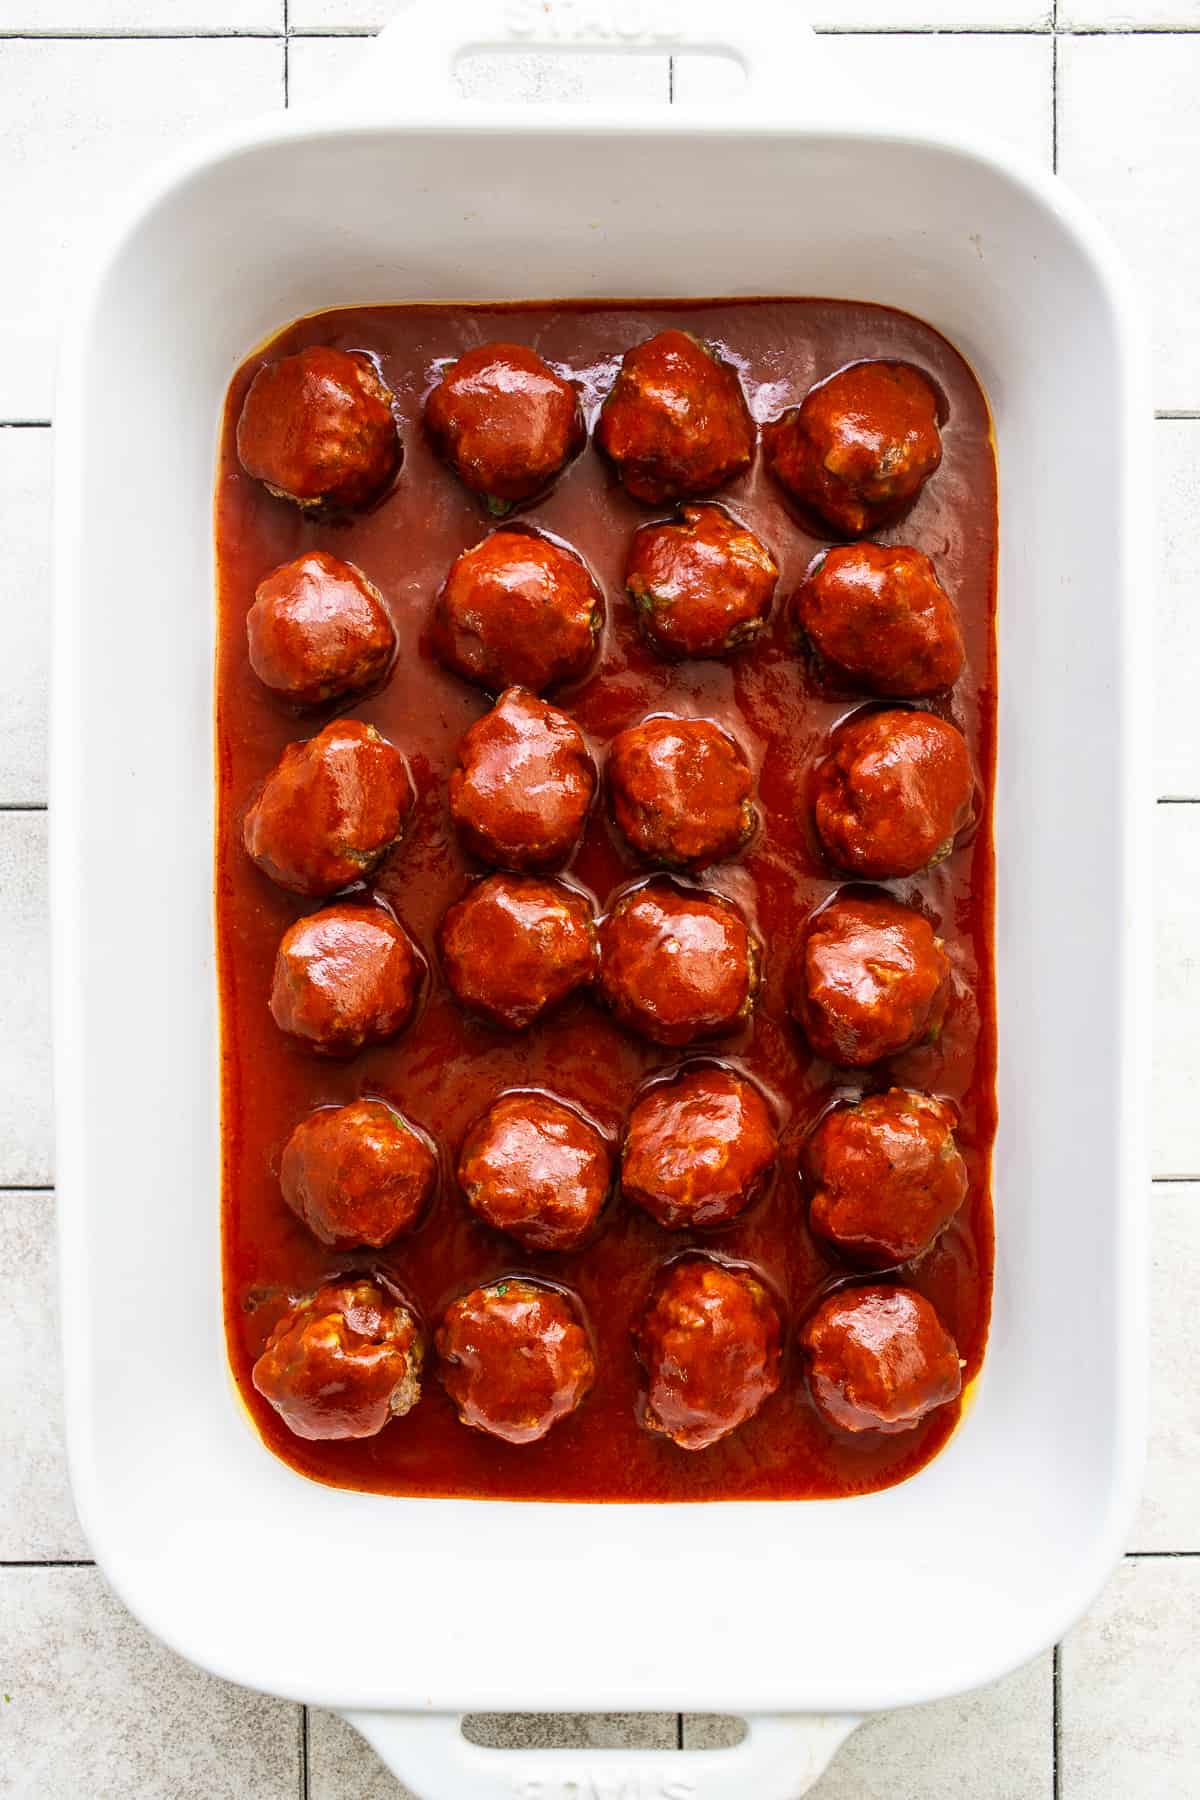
x=318 y=630
x=330 y=810
x=537 y=1170
x=886 y=1175
x=675 y=422
x=344 y=977
x=698 y=1148
x=709 y=1341
x=678 y=964
x=523 y=783
x=873 y=980
x=702 y=583
x=358 y=1174
x=318 y=428
x=514 y=946
x=342 y=1362
x=860 y=446
x=879 y=1359
x=505 y=422
x=893 y=792
x=879 y=619
x=517 y=610
x=681 y=791
x=515 y=1358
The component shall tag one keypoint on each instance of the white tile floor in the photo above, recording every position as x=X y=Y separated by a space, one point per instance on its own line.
x=88 y=1704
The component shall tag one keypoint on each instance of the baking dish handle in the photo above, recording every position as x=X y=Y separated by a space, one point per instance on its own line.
x=780 y=1758
x=412 y=61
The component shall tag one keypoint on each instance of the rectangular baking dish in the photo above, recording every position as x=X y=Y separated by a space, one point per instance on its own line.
x=401 y=192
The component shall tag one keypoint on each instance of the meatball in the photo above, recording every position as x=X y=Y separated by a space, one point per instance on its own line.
x=681 y=791
x=873 y=980
x=342 y=1362
x=358 y=1174
x=879 y=1359
x=318 y=428
x=515 y=1358
x=318 y=631
x=514 y=946
x=702 y=583
x=344 y=977
x=505 y=422
x=886 y=1176
x=860 y=446
x=675 y=422
x=523 y=783
x=698 y=1148
x=879 y=619
x=893 y=792
x=517 y=610
x=709 y=1341
x=330 y=810
x=678 y=964
x=536 y=1169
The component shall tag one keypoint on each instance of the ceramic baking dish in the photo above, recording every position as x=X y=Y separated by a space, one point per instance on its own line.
x=400 y=191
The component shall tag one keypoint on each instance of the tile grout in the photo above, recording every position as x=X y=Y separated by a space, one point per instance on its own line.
x=88 y=1562
x=116 y=36
x=304 y=1788
x=47 y=1562
x=1056 y=1722
x=268 y=35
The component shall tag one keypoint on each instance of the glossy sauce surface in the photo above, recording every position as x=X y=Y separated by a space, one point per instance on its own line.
x=445 y=1069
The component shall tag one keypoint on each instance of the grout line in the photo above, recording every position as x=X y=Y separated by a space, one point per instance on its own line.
x=1166 y=1180
x=25 y=424
x=1123 y=31
x=1048 y=29
x=670 y=81
x=1056 y=1727
x=679 y=1731
x=1177 y=800
x=23 y=806
x=47 y=1562
x=131 y=37
x=1160 y=1555
x=287 y=45
x=1054 y=99
x=1182 y=414
x=26 y=1187
x=304 y=1753
x=266 y=34
x=933 y=30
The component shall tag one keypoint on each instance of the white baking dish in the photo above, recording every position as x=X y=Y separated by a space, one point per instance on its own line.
x=381 y=1606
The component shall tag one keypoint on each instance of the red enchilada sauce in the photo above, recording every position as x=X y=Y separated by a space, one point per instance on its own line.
x=445 y=1069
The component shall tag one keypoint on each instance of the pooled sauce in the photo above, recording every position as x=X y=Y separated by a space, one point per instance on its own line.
x=446 y=1068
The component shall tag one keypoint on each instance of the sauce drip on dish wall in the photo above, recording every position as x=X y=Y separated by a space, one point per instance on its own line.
x=445 y=1069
